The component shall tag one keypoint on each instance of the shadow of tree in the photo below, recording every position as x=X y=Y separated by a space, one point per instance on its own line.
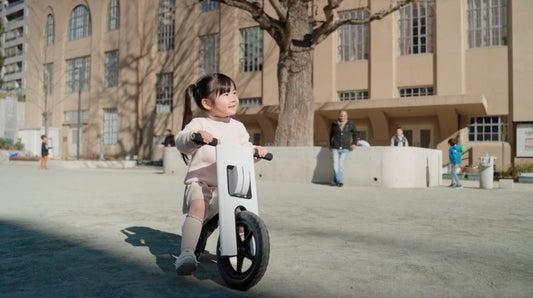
x=36 y=264
x=164 y=246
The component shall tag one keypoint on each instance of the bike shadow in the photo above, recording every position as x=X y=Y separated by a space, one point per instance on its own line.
x=165 y=247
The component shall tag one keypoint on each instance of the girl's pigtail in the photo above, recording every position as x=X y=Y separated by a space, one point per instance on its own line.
x=187 y=112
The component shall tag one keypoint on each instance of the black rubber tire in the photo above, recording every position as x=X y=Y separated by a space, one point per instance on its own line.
x=254 y=249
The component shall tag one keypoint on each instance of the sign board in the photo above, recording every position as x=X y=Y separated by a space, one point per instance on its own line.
x=524 y=140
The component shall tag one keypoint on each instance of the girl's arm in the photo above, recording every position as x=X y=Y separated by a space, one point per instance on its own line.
x=184 y=141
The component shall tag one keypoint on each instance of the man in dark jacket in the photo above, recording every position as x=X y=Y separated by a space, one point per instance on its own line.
x=342 y=139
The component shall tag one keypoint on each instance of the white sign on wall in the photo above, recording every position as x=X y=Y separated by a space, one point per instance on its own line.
x=524 y=140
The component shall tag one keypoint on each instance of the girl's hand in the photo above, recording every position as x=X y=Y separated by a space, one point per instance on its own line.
x=261 y=151
x=207 y=137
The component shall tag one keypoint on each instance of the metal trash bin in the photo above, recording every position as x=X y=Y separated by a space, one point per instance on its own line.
x=486 y=171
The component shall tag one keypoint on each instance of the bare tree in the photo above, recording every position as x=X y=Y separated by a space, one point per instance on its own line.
x=289 y=28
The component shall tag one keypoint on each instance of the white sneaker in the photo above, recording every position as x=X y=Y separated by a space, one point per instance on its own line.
x=186 y=263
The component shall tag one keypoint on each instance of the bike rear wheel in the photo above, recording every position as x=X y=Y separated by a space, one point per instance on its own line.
x=244 y=270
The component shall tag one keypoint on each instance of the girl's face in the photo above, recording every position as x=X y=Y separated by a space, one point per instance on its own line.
x=224 y=105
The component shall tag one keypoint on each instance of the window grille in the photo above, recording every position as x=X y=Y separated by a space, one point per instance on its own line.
x=209 y=52
x=72 y=116
x=209 y=5
x=353 y=95
x=416 y=91
x=78 y=73
x=251 y=49
x=165 y=30
x=487 y=129
x=164 y=93
x=49 y=34
x=415 y=25
x=111 y=69
x=487 y=23
x=80 y=23
x=113 y=15
x=250 y=102
x=353 y=39
x=48 y=78
x=110 y=126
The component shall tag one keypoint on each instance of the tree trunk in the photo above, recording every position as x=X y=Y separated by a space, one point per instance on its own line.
x=296 y=100
x=295 y=80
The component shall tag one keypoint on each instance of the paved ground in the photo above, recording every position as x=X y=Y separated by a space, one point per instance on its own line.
x=109 y=233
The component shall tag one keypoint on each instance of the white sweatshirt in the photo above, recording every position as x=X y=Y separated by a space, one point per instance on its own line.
x=203 y=162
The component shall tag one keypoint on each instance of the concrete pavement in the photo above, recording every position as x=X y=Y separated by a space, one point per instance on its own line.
x=112 y=232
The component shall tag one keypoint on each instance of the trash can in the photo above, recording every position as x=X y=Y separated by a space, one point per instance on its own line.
x=486 y=171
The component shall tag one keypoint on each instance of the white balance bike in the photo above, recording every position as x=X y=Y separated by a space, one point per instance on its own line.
x=243 y=247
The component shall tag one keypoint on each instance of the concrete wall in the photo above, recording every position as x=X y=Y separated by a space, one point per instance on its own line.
x=390 y=167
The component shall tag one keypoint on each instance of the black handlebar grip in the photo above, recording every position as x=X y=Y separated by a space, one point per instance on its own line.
x=197 y=138
x=267 y=156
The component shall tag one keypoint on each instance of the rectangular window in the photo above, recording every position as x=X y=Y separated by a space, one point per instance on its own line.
x=110 y=126
x=78 y=74
x=165 y=29
x=208 y=5
x=251 y=46
x=353 y=95
x=164 y=93
x=487 y=129
x=209 y=51
x=353 y=39
x=48 y=78
x=250 y=102
x=415 y=26
x=13 y=51
x=487 y=23
x=13 y=68
x=111 y=69
x=417 y=91
x=72 y=116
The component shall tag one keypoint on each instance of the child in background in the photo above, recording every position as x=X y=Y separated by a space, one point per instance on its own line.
x=44 y=152
x=454 y=154
x=215 y=94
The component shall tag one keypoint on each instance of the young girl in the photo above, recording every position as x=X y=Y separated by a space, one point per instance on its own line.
x=215 y=94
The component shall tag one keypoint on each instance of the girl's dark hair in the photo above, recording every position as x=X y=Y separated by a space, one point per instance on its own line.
x=452 y=142
x=208 y=86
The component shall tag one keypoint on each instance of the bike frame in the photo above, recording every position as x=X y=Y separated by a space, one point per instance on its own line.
x=236 y=190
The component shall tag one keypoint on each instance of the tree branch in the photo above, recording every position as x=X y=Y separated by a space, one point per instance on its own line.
x=331 y=24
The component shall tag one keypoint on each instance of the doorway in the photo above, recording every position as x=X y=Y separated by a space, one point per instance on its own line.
x=419 y=135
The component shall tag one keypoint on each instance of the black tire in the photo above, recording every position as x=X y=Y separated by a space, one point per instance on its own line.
x=207 y=230
x=253 y=253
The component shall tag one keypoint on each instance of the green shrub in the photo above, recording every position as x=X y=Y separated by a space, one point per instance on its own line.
x=519 y=169
x=7 y=144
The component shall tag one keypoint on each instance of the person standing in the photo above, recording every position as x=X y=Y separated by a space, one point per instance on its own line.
x=169 y=139
x=44 y=152
x=399 y=140
x=454 y=154
x=342 y=139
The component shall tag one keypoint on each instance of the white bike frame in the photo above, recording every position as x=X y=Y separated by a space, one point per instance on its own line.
x=236 y=189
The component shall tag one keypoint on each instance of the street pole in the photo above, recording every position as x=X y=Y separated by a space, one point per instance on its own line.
x=79 y=114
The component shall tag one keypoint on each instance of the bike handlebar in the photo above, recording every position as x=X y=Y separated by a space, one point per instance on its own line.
x=197 y=138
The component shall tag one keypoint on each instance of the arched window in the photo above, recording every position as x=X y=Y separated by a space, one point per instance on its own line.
x=49 y=31
x=80 y=23
x=113 y=15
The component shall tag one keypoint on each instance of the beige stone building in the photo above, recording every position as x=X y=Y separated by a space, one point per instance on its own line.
x=439 y=69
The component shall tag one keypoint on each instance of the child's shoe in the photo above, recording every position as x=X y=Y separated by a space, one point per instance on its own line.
x=186 y=263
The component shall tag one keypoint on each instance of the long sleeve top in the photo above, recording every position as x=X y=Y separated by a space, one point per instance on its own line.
x=342 y=138
x=202 y=166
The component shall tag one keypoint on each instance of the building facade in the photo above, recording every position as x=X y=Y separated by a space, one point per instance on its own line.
x=14 y=17
x=437 y=68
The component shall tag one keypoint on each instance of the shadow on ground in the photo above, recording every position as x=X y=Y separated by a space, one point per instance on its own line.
x=37 y=264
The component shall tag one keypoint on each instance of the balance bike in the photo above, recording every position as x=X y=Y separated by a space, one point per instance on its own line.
x=243 y=246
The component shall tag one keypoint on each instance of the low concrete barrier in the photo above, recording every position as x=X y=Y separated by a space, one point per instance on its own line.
x=393 y=167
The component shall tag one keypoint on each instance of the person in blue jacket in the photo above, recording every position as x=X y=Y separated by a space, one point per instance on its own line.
x=454 y=154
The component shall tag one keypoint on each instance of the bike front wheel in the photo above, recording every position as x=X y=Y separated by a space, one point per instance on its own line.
x=244 y=270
